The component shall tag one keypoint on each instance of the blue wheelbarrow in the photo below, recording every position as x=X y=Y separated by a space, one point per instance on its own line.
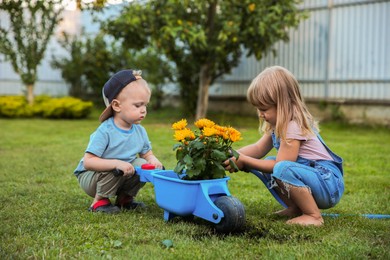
x=206 y=199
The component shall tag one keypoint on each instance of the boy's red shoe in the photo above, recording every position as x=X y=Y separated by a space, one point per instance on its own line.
x=105 y=206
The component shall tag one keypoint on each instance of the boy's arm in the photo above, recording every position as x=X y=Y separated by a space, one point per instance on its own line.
x=152 y=159
x=96 y=163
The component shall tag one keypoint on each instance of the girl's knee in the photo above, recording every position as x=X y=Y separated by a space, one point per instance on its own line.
x=282 y=167
x=289 y=173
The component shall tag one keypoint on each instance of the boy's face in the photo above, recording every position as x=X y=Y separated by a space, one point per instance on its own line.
x=130 y=105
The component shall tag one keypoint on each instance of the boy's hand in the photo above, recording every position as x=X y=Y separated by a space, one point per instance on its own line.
x=150 y=158
x=153 y=160
x=126 y=168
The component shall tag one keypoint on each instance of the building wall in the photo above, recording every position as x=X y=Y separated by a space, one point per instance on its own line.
x=341 y=54
x=49 y=81
x=341 y=51
x=371 y=113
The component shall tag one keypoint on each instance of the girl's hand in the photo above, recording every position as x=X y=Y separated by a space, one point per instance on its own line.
x=239 y=163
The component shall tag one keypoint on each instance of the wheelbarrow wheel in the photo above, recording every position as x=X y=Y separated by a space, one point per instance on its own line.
x=234 y=215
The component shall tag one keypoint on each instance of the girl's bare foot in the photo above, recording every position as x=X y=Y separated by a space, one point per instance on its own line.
x=306 y=220
x=289 y=212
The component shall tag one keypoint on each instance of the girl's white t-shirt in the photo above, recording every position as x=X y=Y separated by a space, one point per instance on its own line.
x=311 y=147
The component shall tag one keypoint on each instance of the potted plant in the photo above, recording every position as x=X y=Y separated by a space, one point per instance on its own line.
x=200 y=153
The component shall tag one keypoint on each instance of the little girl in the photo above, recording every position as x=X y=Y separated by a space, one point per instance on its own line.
x=305 y=173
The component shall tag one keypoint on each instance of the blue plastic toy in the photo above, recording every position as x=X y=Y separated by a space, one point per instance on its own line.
x=206 y=199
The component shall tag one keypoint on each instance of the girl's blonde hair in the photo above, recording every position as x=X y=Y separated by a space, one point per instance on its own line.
x=276 y=86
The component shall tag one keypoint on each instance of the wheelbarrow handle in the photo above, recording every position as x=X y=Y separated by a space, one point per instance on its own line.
x=144 y=172
x=118 y=172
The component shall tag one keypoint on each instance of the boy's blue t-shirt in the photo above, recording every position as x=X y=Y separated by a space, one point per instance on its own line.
x=111 y=142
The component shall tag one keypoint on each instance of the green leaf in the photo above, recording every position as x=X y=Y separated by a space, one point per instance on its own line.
x=235 y=153
x=177 y=146
x=233 y=165
x=197 y=145
x=218 y=155
x=179 y=168
x=167 y=243
x=116 y=244
x=219 y=166
x=180 y=153
x=200 y=164
x=218 y=173
x=188 y=160
x=193 y=173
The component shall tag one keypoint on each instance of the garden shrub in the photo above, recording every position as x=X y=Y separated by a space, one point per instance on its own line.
x=66 y=107
x=44 y=106
x=14 y=106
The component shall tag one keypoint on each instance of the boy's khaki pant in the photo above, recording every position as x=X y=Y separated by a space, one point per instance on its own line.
x=107 y=185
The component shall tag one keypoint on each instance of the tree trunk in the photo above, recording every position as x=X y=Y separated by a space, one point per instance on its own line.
x=203 y=92
x=205 y=75
x=30 y=94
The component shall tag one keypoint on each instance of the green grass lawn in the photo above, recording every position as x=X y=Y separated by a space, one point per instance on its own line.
x=44 y=212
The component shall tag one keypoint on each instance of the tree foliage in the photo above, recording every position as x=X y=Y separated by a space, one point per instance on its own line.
x=72 y=67
x=24 y=41
x=204 y=38
x=91 y=5
x=92 y=60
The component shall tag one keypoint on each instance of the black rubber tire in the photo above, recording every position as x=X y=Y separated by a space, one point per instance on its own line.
x=234 y=215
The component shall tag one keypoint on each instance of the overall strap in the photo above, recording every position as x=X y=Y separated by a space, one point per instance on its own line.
x=337 y=159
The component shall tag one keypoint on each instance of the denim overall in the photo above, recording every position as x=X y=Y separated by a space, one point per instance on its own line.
x=324 y=178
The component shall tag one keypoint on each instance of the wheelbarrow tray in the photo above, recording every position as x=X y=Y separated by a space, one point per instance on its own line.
x=188 y=197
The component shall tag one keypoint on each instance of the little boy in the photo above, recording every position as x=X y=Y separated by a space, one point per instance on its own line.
x=118 y=144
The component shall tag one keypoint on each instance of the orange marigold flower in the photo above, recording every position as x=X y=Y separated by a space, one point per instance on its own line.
x=234 y=135
x=203 y=143
x=179 y=125
x=222 y=131
x=202 y=123
x=252 y=7
x=209 y=131
x=183 y=134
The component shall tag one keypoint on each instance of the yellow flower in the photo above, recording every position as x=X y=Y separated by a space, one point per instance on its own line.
x=252 y=7
x=183 y=134
x=179 y=125
x=209 y=131
x=201 y=123
x=222 y=131
x=201 y=151
x=234 y=135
